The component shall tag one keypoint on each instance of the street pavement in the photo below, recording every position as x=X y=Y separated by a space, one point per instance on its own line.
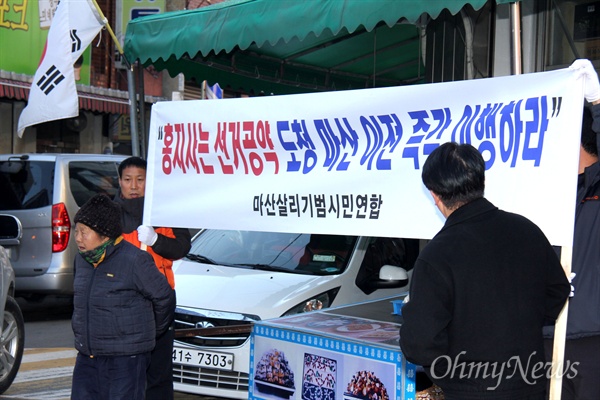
x=49 y=357
x=46 y=374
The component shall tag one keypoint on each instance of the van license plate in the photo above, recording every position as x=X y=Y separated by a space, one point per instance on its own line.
x=203 y=358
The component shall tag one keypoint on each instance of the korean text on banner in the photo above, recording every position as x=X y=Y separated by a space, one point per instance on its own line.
x=349 y=162
x=53 y=93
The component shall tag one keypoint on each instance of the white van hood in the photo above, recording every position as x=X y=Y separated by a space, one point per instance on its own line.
x=263 y=293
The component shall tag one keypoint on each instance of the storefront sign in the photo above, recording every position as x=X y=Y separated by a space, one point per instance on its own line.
x=24 y=28
x=126 y=10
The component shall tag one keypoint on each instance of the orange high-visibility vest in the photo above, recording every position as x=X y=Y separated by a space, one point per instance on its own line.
x=164 y=265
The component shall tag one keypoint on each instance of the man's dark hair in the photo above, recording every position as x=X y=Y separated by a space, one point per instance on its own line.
x=132 y=162
x=588 y=136
x=456 y=173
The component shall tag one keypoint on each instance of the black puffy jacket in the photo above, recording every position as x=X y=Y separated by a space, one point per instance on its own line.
x=121 y=305
x=584 y=308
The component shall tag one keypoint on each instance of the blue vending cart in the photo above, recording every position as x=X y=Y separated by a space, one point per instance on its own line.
x=344 y=353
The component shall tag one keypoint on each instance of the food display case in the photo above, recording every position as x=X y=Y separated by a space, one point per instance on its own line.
x=344 y=353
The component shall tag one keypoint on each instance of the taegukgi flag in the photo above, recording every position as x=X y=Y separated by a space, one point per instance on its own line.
x=53 y=93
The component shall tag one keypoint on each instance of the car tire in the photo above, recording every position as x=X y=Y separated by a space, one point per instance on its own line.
x=12 y=342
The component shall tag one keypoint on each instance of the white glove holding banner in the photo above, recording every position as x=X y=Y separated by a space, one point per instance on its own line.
x=585 y=68
x=147 y=235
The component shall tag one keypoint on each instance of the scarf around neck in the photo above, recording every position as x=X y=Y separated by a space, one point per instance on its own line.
x=95 y=255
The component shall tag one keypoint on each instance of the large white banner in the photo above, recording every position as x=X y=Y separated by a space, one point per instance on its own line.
x=350 y=162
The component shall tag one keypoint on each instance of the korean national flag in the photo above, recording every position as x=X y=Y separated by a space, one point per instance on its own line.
x=53 y=93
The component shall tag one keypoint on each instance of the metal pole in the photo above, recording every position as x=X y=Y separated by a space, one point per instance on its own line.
x=142 y=110
x=560 y=333
x=515 y=19
x=135 y=145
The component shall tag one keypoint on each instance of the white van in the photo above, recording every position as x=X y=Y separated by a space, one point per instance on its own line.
x=233 y=278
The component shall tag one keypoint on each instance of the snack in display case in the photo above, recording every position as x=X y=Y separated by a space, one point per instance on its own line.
x=365 y=385
x=273 y=375
x=319 y=378
x=335 y=354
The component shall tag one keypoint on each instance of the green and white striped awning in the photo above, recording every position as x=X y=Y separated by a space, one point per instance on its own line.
x=298 y=44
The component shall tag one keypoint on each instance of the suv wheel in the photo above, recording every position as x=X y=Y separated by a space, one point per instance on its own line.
x=11 y=343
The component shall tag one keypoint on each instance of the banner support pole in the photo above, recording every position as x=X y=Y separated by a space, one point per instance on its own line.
x=560 y=332
x=515 y=19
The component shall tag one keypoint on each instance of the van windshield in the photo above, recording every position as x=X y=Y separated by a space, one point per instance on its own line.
x=311 y=254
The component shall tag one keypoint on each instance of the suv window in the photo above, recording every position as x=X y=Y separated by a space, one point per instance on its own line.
x=26 y=184
x=90 y=177
x=285 y=252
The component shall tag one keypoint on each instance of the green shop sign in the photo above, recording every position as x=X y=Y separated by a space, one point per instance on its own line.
x=24 y=26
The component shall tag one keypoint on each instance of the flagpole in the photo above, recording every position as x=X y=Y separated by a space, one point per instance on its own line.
x=112 y=34
x=133 y=127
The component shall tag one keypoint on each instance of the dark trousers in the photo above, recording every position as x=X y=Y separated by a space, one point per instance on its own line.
x=110 y=378
x=580 y=381
x=159 y=376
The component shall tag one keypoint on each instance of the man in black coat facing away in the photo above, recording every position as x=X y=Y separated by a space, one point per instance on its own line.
x=481 y=290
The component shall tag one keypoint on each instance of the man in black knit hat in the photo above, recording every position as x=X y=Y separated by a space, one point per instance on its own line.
x=121 y=304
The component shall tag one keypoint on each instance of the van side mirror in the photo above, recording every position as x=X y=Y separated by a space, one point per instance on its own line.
x=393 y=273
x=390 y=277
